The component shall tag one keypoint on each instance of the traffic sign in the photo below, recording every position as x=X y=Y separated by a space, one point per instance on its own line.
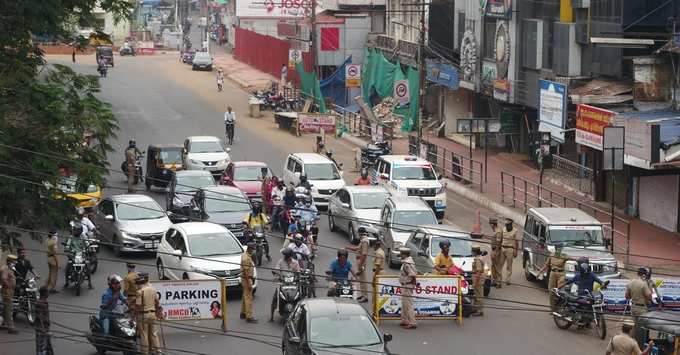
x=401 y=92
x=353 y=75
x=294 y=57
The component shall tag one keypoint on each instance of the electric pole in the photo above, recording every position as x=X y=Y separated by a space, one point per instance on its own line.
x=421 y=76
x=313 y=37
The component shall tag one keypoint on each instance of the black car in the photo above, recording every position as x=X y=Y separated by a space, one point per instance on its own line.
x=161 y=161
x=105 y=52
x=331 y=326
x=223 y=205
x=129 y=50
x=182 y=188
x=188 y=57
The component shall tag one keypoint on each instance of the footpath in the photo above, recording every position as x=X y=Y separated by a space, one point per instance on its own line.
x=648 y=245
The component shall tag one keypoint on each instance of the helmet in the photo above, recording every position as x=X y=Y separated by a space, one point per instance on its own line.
x=257 y=208
x=444 y=244
x=287 y=253
x=645 y=271
x=342 y=252
x=303 y=178
x=80 y=211
x=54 y=230
x=298 y=238
x=583 y=265
x=114 y=278
x=364 y=173
x=76 y=229
x=132 y=142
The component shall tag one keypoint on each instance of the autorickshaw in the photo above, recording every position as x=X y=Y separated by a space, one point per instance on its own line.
x=662 y=327
x=161 y=161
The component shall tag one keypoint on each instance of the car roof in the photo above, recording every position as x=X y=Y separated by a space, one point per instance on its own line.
x=224 y=190
x=131 y=198
x=319 y=307
x=182 y=173
x=249 y=163
x=564 y=216
x=408 y=203
x=199 y=227
x=165 y=146
x=312 y=158
x=203 y=139
x=364 y=188
x=404 y=159
x=444 y=230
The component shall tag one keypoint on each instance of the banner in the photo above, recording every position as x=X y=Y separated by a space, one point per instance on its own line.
x=590 y=124
x=434 y=297
x=275 y=8
x=191 y=299
x=552 y=108
x=668 y=291
x=314 y=123
x=401 y=92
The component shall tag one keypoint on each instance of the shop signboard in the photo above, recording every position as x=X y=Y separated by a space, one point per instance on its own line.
x=552 y=108
x=191 y=299
x=315 y=123
x=434 y=297
x=590 y=124
x=294 y=57
x=642 y=141
x=499 y=8
x=275 y=8
x=501 y=89
x=442 y=74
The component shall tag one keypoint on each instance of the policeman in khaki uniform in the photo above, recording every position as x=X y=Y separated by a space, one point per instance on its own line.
x=495 y=251
x=407 y=279
x=362 y=258
x=378 y=259
x=555 y=264
x=8 y=281
x=147 y=305
x=510 y=246
x=52 y=260
x=247 y=276
x=130 y=286
x=478 y=280
x=639 y=294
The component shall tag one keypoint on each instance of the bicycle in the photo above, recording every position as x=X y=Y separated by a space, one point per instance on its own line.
x=230 y=132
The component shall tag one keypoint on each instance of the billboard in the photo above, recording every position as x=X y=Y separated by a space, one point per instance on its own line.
x=552 y=108
x=590 y=124
x=191 y=299
x=314 y=123
x=668 y=293
x=434 y=297
x=275 y=8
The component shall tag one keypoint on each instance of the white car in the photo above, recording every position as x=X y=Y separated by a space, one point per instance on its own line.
x=353 y=207
x=205 y=153
x=320 y=171
x=408 y=175
x=200 y=250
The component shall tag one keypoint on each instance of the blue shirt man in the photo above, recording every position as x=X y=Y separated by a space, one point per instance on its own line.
x=111 y=298
x=584 y=281
x=340 y=270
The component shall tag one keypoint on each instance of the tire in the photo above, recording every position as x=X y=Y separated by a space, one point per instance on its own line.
x=527 y=274
x=78 y=287
x=331 y=222
x=185 y=276
x=467 y=310
x=117 y=249
x=30 y=311
x=93 y=269
x=487 y=287
x=136 y=179
x=258 y=257
x=560 y=322
x=193 y=68
x=352 y=236
x=160 y=269
x=148 y=184
x=601 y=328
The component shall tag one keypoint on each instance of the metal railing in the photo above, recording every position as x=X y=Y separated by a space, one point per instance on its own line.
x=528 y=194
x=573 y=174
x=355 y=123
x=451 y=164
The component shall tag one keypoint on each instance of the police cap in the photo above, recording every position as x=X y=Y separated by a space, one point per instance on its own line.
x=11 y=257
x=404 y=250
x=142 y=277
x=130 y=265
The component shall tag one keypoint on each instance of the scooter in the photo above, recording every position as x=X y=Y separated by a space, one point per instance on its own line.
x=122 y=333
x=139 y=176
x=289 y=294
x=26 y=296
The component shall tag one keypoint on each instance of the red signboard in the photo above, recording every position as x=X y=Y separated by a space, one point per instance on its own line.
x=286 y=29
x=313 y=123
x=590 y=124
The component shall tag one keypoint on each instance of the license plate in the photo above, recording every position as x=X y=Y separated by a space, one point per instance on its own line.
x=149 y=245
x=232 y=282
x=238 y=234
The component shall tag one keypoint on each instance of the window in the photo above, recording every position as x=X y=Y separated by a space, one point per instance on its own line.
x=192 y=183
x=206 y=147
x=425 y=244
x=413 y=172
x=344 y=196
x=179 y=244
x=138 y=211
x=322 y=171
x=377 y=22
x=489 y=43
x=536 y=229
x=461 y=29
x=415 y=239
x=171 y=237
x=528 y=224
x=213 y=244
x=219 y=203
x=250 y=173
x=298 y=167
x=541 y=234
x=106 y=208
x=369 y=200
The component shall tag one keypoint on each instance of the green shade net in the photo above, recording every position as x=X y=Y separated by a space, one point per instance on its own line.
x=309 y=85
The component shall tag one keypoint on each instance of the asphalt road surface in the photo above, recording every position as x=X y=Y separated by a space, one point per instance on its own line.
x=158 y=100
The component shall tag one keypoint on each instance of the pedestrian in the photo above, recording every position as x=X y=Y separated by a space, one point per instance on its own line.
x=73 y=55
x=247 y=278
x=478 y=279
x=284 y=76
x=229 y=124
x=407 y=279
x=147 y=306
x=52 y=260
x=555 y=265
x=624 y=344
x=130 y=286
x=378 y=259
x=510 y=246
x=43 y=338
x=362 y=258
x=638 y=293
x=8 y=281
x=497 y=235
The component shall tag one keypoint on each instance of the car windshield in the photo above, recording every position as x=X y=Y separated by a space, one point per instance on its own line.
x=206 y=147
x=459 y=247
x=171 y=157
x=413 y=172
x=213 y=244
x=576 y=235
x=226 y=203
x=135 y=211
x=411 y=219
x=70 y=185
x=326 y=171
x=249 y=173
x=202 y=55
x=337 y=330
x=192 y=183
x=369 y=200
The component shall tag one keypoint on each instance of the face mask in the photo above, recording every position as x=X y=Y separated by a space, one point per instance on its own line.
x=11 y=265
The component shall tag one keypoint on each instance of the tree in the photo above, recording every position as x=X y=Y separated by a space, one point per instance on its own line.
x=45 y=115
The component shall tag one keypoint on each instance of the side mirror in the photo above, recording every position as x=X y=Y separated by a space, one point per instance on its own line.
x=345 y=205
x=294 y=340
x=476 y=235
x=607 y=242
x=177 y=253
x=108 y=217
x=387 y=337
x=228 y=150
x=384 y=176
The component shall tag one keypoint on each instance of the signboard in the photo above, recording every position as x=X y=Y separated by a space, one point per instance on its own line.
x=434 y=297
x=501 y=89
x=613 y=145
x=191 y=299
x=442 y=74
x=590 y=124
x=509 y=123
x=286 y=29
x=499 y=8
x=294 y=57
x=275 y=8
x=615 y=295
x=642 y=141
x=353 y=75
x=478 y=125
x=552 y=108
x=314 y=123
x=401 y=92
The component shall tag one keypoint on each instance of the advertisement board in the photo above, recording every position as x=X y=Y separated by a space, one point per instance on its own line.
x=642 y=140
x=590 y=124
x=314 y=123
x=442 y=74
x=191 y=299
x=499 y=8
x=434 y=297
x=668 y=291
x=353 y=75
x=552 y=108
x=275 y=8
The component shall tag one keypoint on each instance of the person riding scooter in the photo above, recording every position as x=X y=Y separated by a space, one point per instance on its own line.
x=111 y=298
x=257 y=219
x=284 y=267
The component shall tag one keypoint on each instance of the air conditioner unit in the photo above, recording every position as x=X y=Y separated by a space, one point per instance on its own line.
x=532 y=43
x=580 y=4
x=566 y=52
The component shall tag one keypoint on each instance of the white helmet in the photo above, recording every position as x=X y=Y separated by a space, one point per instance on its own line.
x=114 y=277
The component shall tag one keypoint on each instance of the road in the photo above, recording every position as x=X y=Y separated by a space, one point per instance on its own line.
x=159 y=100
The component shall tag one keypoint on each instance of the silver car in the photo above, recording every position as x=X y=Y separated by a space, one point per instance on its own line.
x=132 y=223
x=203 y=61
x=353 y=207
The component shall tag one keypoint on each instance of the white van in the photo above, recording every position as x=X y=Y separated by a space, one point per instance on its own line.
x=321 y=172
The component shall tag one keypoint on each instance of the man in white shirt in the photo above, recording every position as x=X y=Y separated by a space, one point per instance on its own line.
x=230 y=124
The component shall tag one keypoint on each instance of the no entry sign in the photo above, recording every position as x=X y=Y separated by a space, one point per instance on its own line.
x=401 y=92
x=353 y=75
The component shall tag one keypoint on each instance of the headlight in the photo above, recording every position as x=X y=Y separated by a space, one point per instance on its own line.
x=222 y=162
x=611 y=267
x=177 y=202
x=195 y=161
x=439 y=203
x=128 y=236
x=200 y=270
x=570 y=266
x=396 y=246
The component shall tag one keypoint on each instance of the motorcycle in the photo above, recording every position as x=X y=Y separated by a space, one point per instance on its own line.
x=580 y=310
x=343 y=288
x=78 y=266
x=289 y=294
x=25 y=297
x=306 y=277
x=139 y=176
x=122 y=333
x=260 y=244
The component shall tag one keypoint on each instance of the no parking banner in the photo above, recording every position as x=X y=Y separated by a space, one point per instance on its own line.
x=401 y=92
x=353 y=75
x=192 y=299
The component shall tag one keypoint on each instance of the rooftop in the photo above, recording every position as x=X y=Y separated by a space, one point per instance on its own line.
x=565 y=216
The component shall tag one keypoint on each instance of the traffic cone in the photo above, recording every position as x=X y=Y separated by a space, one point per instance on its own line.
x=477 y=226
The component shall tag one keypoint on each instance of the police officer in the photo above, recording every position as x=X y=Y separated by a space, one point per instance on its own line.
x=497 y=235
x=52 y=260
x=555 y=264
x=130 y=286
x=378 y=259
x=8 y=281
x=130 y=160
x=509 y=248
x=639 y=294
x=362 y=258
x=247 y=278
x=624 y=344
x=147 y=305
x=478 y=280
x=407 y=279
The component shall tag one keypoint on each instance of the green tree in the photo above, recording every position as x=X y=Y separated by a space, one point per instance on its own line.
x=46 y=112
